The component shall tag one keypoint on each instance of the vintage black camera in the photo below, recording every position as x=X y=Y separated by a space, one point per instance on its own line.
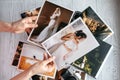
x=35 y=77
x=66 y=75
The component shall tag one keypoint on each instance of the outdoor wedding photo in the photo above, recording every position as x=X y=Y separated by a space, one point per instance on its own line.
x=96 y=24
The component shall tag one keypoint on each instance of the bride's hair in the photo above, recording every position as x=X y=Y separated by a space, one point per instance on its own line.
x=80 y=33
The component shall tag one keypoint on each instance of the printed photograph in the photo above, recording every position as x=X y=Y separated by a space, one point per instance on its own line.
x=97 y=26
x=33 y=12
x=17 y=54
x=71 y=43
x=31 y=54
x=26 y=62
x=92 y=62
x=51 y=19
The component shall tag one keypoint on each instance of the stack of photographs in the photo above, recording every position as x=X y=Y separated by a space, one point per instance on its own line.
x=75 y=38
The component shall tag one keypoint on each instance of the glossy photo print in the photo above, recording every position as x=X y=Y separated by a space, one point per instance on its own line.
x=93 y=62
x=51 y=19
x=95 y=23
x=17 y=55
x=70 y=43
x=28 y=55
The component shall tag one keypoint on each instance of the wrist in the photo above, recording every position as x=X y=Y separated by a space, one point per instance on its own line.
x=12 y=27
x=9 y=27
x=30 y=72
x=5 y=26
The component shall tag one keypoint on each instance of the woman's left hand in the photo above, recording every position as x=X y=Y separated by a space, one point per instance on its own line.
x=23 y=24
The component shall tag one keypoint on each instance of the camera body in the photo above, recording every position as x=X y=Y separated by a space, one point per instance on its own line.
x=66 y=75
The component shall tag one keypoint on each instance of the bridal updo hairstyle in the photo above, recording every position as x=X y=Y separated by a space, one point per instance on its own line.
x=80 y=34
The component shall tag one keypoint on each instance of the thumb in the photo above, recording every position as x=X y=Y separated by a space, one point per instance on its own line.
x=33 y=17
x=49 y=60
x=45 y=55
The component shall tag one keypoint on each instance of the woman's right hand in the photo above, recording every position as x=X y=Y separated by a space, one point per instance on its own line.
x=41 y=67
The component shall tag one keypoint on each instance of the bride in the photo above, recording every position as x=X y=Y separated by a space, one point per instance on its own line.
x=51 y=28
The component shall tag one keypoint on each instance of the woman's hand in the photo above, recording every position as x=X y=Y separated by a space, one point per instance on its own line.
x=41 y=67
x=23 y=24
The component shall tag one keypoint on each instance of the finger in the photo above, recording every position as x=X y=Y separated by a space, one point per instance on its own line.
x=30 y=25
x=20 y=31
x=33 y=18
x=28 y=30
x=29 y=19
x=48 y=56
x=51 y=59
x=45 y=56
